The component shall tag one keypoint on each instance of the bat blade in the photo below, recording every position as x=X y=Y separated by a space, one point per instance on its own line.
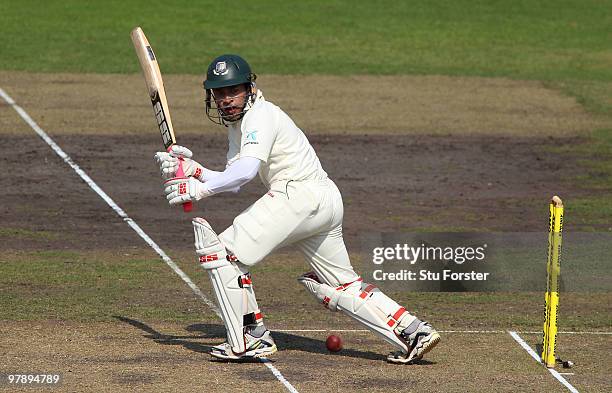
x=157 y=94
x=155 y=86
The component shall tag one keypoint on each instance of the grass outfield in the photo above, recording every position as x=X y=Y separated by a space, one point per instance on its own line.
x=562 y=42
x=546 y=40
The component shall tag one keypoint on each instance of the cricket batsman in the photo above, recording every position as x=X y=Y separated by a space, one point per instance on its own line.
x=302 y=207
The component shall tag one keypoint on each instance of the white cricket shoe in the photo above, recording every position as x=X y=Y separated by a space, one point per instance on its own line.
x=256 y=347
x=421 y=341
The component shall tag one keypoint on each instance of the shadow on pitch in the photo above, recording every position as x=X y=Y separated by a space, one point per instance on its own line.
x=284 y=341
x=215 y=331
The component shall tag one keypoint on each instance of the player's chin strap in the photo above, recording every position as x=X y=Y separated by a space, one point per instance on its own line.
x=364 y=303
x=248 y=104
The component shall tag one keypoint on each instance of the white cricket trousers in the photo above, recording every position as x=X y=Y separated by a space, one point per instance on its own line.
x=305 y=213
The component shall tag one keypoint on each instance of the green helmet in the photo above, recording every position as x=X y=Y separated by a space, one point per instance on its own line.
x=228 y=70
x=224 y=71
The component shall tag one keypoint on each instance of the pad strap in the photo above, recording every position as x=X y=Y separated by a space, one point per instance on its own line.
x=253 y=318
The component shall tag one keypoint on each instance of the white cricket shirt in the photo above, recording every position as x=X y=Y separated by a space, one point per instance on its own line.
x=267 y=133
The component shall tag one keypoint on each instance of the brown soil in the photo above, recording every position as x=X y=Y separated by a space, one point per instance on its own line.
x=389 y=183
x=132 y=355
x=117 y=104
x=469 y=173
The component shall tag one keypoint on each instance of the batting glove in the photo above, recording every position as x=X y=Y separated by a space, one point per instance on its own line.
x=182 y=189
x=169 y=162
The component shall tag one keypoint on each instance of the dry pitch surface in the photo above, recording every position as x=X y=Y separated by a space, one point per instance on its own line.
x=444 y=154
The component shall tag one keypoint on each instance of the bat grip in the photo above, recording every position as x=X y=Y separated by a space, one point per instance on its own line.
x=187 y=206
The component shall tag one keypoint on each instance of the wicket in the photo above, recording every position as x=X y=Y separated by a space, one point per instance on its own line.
x=552 y=284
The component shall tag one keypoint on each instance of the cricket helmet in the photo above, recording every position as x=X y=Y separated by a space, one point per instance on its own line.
x=224 y=71
x=228 y=70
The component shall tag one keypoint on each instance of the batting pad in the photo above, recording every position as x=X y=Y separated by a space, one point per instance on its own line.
x=226 y=280
x=363 y=302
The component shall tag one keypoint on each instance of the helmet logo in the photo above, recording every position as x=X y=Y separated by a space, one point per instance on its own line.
x=220 y=68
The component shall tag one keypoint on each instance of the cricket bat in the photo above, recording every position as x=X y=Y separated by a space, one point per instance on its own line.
x=157 y=93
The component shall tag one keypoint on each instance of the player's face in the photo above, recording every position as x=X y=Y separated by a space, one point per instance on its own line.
x=230 y=100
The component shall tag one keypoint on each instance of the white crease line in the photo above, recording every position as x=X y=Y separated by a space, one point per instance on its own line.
x=561 y=379
x=534 y=355
x=592 y=333
x=525 y=346
x=368 y=331
x=321 y=330
x=473 y=331
x=89 y=181
x=278 y=375
x=439 y=331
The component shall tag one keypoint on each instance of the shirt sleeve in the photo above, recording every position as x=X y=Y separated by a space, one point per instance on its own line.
x=208 y=174
x=234 y=176
x=258 y=134
x=233 y=152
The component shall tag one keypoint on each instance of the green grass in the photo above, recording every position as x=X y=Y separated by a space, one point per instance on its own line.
x=592 y=210
x=87 y=286
x=595 y=96
x=545 y=40
x=507 y=310
x=564 y=43
x=26 y=234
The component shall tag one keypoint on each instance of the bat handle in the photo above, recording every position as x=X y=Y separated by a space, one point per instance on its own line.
x=187 y=206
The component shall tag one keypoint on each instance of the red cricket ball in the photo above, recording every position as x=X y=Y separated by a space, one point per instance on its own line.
x=333 y=343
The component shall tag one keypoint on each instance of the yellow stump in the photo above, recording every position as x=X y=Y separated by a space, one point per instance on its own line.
x=552 y=284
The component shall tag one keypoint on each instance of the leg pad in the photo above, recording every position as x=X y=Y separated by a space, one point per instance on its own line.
x=363 y=302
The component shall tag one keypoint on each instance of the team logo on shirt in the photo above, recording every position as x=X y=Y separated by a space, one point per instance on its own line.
x=251 y=138
x=220 y=68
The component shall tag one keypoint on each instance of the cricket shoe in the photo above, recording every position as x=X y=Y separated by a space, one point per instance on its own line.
x=256 y=347
x=421 y=341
